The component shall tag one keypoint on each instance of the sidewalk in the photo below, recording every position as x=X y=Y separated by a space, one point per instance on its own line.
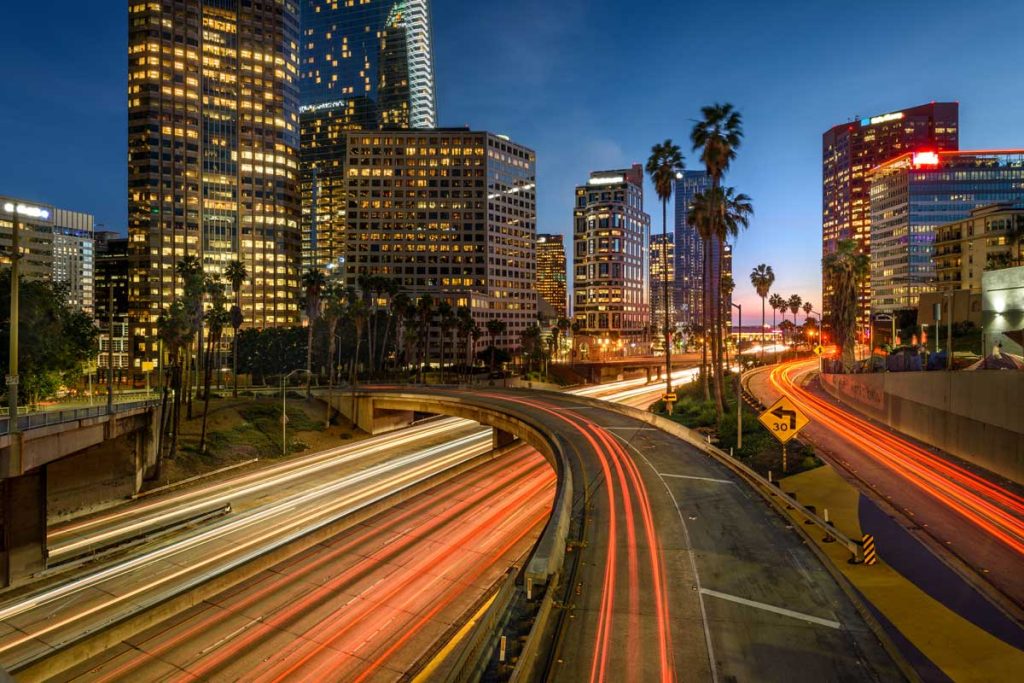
x=955 y=646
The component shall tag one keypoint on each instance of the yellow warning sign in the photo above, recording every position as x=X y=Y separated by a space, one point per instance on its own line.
x=783 y=419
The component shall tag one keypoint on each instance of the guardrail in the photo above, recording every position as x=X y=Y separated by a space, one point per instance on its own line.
x=46 y=418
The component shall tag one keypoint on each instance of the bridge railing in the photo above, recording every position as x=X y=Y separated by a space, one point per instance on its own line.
x=45 y=418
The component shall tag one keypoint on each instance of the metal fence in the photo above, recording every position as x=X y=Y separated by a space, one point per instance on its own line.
x=61 y=414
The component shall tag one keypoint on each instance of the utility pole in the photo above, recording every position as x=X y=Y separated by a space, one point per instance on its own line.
x=12 y=377
x=110 y=349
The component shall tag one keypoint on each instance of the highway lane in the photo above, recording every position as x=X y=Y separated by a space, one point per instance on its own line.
x=364 y=605
x=677 y=569
x=271 y=506
x=964 y=513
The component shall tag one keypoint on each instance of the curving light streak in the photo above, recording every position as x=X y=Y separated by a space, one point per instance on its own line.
x=976 y=499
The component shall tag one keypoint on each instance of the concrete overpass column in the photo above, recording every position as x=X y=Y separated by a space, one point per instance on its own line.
x=24 y=526
x=147 y=466
x=647 y=371
x=501 y=438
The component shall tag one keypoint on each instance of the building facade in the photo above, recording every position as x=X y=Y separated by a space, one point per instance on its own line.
x=662 y=271
x=988 y=239
x=213 y=137
x=915 y=193
x=364 y=66
x=689 y=249
x=610 y=277
x=446 y=212
x=551 y=273
x=112 y=273
x=55 y=244
x=850 y=151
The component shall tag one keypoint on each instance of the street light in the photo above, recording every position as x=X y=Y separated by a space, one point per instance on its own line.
x=739 y=376
x=284 y=410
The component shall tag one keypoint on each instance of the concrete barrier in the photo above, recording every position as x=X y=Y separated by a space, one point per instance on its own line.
x=976 y=416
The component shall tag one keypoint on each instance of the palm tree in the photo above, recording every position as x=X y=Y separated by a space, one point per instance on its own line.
x=699 y=217
x=389 y=290
x=845 y=267
x=359 y=313
x=313 y=282
x=446 y=322
x=727 y=286
x=717 y=136
x=425 y=316
x=495 y=328
x=762 y=278
x=216 y=319
x=174 y=328
x=477 y=333
x=808 y=307
x=664 y=165
x=464 y=328
x=236 y=274
x=190 y=268
x=334 y=299
x=794 y=304
x=778 y=304
x=399 y=305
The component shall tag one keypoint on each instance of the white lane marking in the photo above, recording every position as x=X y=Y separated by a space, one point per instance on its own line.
x=693 y=562
x=631 y=428
x=772 y=608
x=689 y=476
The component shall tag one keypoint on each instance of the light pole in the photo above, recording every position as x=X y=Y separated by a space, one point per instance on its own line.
x=739 y=376
x=12 y=373
x=284 y=410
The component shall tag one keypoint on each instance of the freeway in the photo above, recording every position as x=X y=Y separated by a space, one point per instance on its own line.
x=271 y=506
x=363 y=605
x=957 y=510
x=675 y=569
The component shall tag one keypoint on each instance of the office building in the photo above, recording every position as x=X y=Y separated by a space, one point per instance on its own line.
x=213 y=137
x=850 y=151
x=55 y=244
x=915 y=193
x=610 y=232
x=551 y=273
x=446 y=212
x=364 y=66
x=988 y=239
x=112 y=273
x=662 y=261
x=689 y=250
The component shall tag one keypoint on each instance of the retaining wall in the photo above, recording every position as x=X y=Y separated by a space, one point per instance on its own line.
x=977 y=416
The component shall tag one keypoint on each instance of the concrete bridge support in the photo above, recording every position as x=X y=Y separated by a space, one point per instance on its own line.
x=24 y=526
x=500 y=438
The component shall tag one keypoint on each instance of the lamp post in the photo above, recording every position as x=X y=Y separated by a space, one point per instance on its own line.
x=12 y=427
x=739 y=376
x=284 y=410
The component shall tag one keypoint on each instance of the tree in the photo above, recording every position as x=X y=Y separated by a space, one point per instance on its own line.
x=717 y=136
x=664 y=164
x=313 y=282
x=174 y=328
x=778 y=304
x=808 y=307
x=216 y=319
x=794 y=304
x=236 y=274
x=726 y=286
x=529 y=340
x=390 y=290
x=334 y=298
x=762 y=278
x=464 y=325
x=446 y=321
x=495 y=328
x=190 y=269
x=845 y=267
x=425 y=318
x=359 y=313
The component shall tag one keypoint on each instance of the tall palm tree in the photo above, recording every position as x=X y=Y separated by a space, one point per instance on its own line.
x=699 y=218
x=399 y=304
x=664 y=164
x=359 y=313
x=717 y=136
x=236 y=274
x=425 y=318
x=808 y=307
x=762 y=278
x=495 y=328
x=464 y=328
x=174 y=328
x=794 y=304
x=446 y=321
x=216 y=319
x=778 y=304
x=718 y=215
x=313 y=282
x=727 y=286
x=845 y=267
x=334 y=310
x=477 y=333
x=389 y=290
x=190 y=269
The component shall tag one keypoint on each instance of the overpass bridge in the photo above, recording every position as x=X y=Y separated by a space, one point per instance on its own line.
x=66 y=453
x=613 y=369
x=657 y=562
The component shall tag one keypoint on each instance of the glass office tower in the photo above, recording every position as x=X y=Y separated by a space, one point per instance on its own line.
x=689 y=250
x=915 y=193
x=365 y=65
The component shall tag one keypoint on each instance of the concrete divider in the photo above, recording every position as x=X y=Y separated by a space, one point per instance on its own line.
x=972 y=415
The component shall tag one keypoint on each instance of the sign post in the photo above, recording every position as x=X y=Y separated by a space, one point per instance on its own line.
x=784 y=420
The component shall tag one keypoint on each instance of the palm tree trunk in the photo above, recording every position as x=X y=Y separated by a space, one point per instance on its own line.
x=379 y=364
x=720 y=370
x=309 y=359
x=330 y=374
x=208 y=371
x=664 y=295
x=762 y=330
x=190 y=371
x=234 y=364
x=177 y=410
x=705 y=307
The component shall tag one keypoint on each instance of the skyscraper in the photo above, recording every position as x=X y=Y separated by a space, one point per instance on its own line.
x=213 y=136
x=662 y=260
x=609 y=249
x=689 y=250
x=364 y=66
x=551 y=273
x=915 y=193
x=850 y=151
x=446 y=212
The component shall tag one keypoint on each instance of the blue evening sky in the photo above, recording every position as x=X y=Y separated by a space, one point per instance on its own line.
x=589 y=84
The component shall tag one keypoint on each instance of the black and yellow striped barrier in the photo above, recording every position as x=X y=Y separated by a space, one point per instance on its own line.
x=868 y=548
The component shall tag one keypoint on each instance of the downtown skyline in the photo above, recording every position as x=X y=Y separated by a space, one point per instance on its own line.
x=545 y=50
